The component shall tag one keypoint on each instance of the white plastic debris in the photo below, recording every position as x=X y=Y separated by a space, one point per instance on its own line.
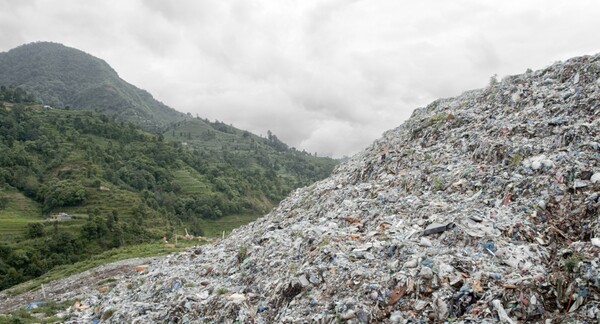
x=236 y=298
x=501 y=312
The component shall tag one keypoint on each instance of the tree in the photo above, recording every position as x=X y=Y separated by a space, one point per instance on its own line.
x=11 y=278
x=139 y=214
x=116 y=236
x=115 y=215
x=35 y=230
x=3 y=202
x=94 y=228
x=112 y=219
x=63 y=193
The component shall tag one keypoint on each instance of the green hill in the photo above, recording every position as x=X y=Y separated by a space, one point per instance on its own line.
x=61 y=76
x=217 y=142
x=122 y=186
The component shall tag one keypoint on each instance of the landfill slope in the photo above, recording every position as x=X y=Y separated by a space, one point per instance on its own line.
x=482 y=207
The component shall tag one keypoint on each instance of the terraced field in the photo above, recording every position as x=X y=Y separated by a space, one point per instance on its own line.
x=215 y=228
x=105 y=201
x=19 y=212
x=191 y=182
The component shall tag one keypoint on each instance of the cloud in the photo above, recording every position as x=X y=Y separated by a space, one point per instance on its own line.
x=327 y=76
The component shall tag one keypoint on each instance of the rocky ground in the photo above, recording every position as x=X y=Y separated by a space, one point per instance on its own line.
x=480 y=208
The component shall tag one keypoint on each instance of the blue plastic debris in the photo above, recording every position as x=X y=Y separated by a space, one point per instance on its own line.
x=36 y=304
x=427 y=262
x=494 y=275
x=391 y=251
x=490 y=246
x=176 y=285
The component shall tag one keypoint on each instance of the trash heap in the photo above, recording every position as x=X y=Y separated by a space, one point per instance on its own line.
x=479 y=208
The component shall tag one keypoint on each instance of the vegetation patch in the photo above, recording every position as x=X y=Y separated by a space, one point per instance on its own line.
x=107 y=314
x=572 y=262
x=106 y=281
x=435 y=119
x=242 y=252
x=44 y=311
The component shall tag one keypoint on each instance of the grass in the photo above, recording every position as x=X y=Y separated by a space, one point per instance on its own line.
x=106 y=281
x=438 y=184
x=323 y=243
x=50 y=310
x=15 y=225
x=18 y=205
x=441 y=117
x=191 y=182
x=215 y=228
x=572 y=262
x=516 y=160
x=110 y=256
x=19 y=212
x=242 y=252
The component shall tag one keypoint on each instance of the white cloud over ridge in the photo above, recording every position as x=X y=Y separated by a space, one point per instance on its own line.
x=325 y=76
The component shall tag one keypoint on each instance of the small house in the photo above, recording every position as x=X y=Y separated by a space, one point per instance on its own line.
x=60 y=217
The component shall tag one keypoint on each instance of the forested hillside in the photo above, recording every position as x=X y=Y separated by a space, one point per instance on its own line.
x=61 y=76
x=122 y=185
x=217 y=141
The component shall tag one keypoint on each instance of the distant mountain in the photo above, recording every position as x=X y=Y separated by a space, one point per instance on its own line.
x=62 y=76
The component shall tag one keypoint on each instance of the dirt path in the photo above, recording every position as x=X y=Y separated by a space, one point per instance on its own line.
x=73 y=286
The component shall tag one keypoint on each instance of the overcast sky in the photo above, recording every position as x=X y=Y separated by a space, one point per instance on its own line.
x=328 y=76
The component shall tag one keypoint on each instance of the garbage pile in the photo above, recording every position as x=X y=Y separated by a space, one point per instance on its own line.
x=479 y=208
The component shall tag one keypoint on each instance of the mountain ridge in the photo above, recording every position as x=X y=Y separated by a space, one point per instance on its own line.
x=62 y=76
